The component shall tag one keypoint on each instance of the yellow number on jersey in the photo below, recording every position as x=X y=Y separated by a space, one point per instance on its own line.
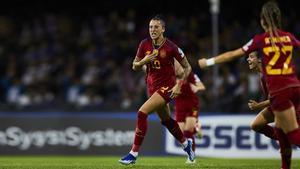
x=156 y=64
x=276 y=50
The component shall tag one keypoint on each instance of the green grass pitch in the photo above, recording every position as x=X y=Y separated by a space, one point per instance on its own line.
x=164 y=162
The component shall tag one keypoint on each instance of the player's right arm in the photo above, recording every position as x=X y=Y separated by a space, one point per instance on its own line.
x=253 y=105
x=224 y=57
x=295 y=41
x=253 y=45
x=139 y=63
x=136 y=65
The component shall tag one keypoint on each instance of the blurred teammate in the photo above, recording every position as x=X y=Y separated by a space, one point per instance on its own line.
x=276 y=46
x=158 y=53
x=187 y=106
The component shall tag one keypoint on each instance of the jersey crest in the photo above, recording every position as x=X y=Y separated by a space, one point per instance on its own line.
x=162 y=53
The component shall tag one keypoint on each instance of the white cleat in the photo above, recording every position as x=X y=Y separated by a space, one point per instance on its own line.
x=188 y=161
x=188 y=149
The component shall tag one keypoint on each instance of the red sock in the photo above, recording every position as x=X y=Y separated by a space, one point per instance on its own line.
x=268 y=131
x=174 y=129
x=285 y=149
x=294 y=137
x=189 y=134
x=140 y=131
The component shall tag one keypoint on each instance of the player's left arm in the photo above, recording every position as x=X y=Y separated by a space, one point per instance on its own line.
x=178 y=69
x=253 y=105
x=186 y=68
x=186 y=71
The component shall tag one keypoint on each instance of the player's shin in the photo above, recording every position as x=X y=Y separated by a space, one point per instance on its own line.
x=140 y=131
x=268 y=131
x=294 y=137
x=174 y=129
x=285 y=149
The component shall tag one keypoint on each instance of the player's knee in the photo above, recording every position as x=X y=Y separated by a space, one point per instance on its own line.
x=189 y=128
x=144 y=110
x=255 y=126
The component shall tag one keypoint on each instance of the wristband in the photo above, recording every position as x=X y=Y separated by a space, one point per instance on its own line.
x=210 y=62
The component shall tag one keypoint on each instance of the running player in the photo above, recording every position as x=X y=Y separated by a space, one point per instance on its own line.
x=158 y=53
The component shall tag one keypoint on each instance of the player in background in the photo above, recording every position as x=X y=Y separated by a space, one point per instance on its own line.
x=158 y=54
x=276 y=46
x=187 y=106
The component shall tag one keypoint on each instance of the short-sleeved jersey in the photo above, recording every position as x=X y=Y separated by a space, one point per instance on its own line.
x=160 y=72
x=188 y=100
x=278 y=67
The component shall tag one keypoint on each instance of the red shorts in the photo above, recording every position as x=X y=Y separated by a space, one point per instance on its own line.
x=186 y=107
x=162 y=91
x=286 y=98
x=181 y=116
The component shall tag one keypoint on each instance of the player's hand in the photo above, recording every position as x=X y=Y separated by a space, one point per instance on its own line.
x=175 y=91
x=253 y=105
x=202 y=63
x=193 y=88
x=150 y=57
x=196 y=88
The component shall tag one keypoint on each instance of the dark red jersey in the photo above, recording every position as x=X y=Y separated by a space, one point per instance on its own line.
x=160 y=72
x=278 y=67
x=186 y=88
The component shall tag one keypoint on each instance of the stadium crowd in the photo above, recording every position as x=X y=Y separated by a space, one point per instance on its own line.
x=68 y=62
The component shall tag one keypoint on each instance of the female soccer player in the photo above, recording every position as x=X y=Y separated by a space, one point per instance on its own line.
x=276 y=46
x=266 y=116
x=187 y=106
x=158 y=53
